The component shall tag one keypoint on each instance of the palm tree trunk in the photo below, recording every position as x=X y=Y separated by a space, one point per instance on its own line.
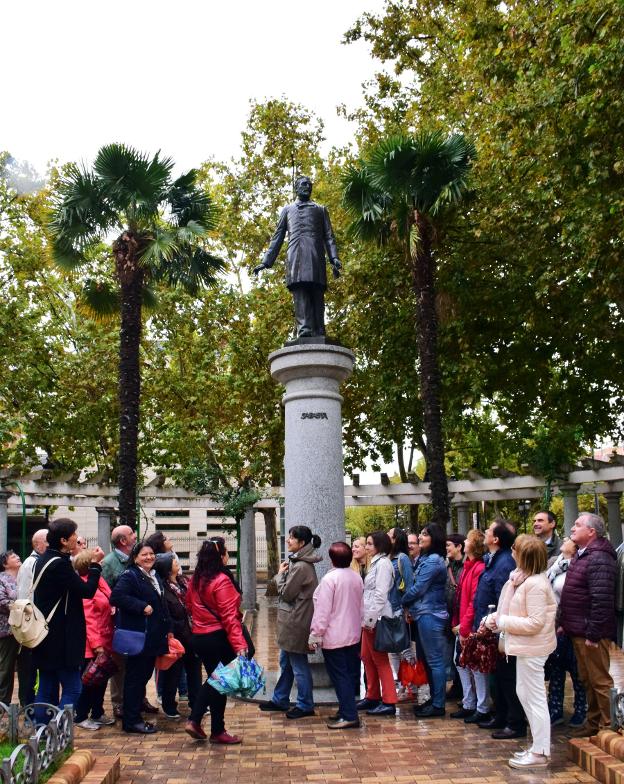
x=130 y=275
x=423 y=274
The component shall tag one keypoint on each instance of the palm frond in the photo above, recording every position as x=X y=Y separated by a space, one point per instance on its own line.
x=190 y=232
x=391 y=164
x=66 y=255
x=440 y=169
x=189 y=203
x=135 y=183
x=192 y=269
x=150 y=300
x=99 y=300
x=160 y=248
x=80 y=212
x=368 y=204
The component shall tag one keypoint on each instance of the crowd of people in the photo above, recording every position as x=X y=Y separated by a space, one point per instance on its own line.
x=536 y=607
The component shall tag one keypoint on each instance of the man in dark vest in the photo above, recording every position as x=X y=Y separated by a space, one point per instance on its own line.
x=310 y=237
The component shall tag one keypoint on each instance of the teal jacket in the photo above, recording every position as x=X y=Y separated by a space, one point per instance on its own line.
x=113 y=567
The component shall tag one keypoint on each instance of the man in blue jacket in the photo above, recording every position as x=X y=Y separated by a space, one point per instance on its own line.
x=509 y=720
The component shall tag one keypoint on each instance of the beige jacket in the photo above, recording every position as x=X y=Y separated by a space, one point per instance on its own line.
x=529 y=626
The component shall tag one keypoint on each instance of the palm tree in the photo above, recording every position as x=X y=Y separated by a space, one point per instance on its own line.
x=401 y=190
x=159 y=228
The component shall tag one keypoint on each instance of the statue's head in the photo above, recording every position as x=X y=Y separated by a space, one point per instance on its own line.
x=303 y=188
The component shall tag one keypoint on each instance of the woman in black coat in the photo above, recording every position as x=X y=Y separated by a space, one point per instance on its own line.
x=139 y=598
x=168 y=569
x=58 y=595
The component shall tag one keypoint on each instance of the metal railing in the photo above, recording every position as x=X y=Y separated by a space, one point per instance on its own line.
x=46 y=742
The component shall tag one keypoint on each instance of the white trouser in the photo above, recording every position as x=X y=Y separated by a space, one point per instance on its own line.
x=531 y=692
x=476 y=688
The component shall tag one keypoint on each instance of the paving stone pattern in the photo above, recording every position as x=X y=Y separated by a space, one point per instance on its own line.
x=276 y=749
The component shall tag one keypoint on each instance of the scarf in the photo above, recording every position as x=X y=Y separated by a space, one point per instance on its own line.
x=560 y=566
x=516 y=578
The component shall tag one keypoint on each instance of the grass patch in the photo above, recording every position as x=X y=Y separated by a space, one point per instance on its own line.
x=6 y=749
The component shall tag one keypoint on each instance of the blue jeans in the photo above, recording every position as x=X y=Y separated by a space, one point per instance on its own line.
x=70 y=682
x=434 y=645
x=294 y=667
x=343 y=667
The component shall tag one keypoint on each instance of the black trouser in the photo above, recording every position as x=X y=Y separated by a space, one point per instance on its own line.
x=343 y=667
x=309 y=302
x=91 y=699
x=168 y=680
x=11 y=658
x=139 y=670
x=211 y=648
x=509 y=711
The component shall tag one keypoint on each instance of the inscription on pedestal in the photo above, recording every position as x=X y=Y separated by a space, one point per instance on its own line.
x=313 y=415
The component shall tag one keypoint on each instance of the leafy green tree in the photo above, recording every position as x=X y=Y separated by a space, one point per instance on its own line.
x=163 y=226
x=531 y=281
x=402 y=188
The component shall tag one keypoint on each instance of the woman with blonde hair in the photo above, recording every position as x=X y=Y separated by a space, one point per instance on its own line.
x=526 y=619
x=361 y=559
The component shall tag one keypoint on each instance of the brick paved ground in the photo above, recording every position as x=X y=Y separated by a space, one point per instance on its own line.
x=397 y=749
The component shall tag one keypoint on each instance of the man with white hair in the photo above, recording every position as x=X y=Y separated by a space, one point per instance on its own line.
x=587 y=614
x=25 y=574
x=123 y=539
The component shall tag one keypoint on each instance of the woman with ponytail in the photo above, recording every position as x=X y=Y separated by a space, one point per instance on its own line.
x=213 y=601
x=296 y=583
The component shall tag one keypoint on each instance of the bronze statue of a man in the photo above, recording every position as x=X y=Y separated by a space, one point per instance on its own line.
x=310 y=236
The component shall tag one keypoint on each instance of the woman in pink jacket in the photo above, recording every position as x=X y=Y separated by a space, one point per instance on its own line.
x=475 y=685
x=100 y=628
x=526 y=619
x=336 y=628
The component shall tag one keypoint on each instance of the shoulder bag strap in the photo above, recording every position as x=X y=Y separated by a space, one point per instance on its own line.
x=33 y=587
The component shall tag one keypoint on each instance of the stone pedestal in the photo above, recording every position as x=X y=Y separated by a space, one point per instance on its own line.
x=247 y=560
x=313 y=466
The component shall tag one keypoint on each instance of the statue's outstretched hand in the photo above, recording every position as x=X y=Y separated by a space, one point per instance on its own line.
x=258 y=269
x=336 y=267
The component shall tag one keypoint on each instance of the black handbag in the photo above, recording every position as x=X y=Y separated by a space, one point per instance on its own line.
x=392 y=635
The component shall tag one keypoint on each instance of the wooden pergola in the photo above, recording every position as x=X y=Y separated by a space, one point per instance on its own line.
x=41 y=489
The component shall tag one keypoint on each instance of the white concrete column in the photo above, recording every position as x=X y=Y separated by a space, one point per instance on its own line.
x=105 y=515
x=4 y=519
x=463 y=512
x=313 y=465
x=570 y=505
x=614 y=517
x=247 y=559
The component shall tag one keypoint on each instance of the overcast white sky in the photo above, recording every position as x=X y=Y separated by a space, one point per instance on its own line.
x=176 y=76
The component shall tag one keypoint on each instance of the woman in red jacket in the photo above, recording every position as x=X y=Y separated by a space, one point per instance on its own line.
x=476 y=701
x=213 y=601
x=99 y=621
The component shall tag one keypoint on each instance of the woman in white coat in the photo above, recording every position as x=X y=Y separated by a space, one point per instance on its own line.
x=526 y=619
x=377 y=585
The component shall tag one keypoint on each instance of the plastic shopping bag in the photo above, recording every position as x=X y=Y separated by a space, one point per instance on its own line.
x=242 y=677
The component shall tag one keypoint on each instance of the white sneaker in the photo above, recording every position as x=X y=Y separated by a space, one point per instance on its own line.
x=104 y=720
x=529 y=761
x=88 y=724
x=518 y=754
x=175 y=715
